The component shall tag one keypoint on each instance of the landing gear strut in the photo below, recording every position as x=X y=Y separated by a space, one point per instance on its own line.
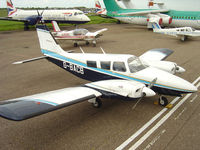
x=163 y=101
x=95 y=102
x=94 y=43
x=26 y=27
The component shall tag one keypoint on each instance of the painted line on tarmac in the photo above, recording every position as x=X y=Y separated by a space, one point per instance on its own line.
x=143 y=138
x=144 y=127
x=192 y=100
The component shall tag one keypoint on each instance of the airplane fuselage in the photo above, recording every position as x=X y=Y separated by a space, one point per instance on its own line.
x=179 y=18
x=97 y=67
x=61 y=16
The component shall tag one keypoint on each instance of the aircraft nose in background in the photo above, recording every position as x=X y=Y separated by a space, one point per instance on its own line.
x=86 y=18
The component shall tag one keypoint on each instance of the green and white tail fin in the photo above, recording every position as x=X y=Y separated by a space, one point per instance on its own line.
x=111 y=5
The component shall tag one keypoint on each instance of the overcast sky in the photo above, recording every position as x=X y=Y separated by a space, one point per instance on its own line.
x=171 y=4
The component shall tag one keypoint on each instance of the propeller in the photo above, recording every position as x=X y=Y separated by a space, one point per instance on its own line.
x=39 y=17
x=146 y=91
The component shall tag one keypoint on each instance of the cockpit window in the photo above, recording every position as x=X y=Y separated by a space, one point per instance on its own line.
x=105 y=65
x=80 y=31
x=135 y=64
x=119 y=66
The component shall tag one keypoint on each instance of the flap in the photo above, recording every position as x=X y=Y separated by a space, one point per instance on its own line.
x=156 y=54
x=30 y=106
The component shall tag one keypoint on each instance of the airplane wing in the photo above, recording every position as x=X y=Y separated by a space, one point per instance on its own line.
x=30 y=106
x=145 y=12
x=156 y=54
x=100 y=31
x=10 y=19
x=26 y=107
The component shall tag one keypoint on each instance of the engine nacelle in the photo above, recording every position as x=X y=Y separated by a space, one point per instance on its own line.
x=154 y=18
x=168 y=66
x=131 y=89
x=166 y=19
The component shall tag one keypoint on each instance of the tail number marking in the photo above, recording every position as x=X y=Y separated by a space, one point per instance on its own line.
x=73 y=67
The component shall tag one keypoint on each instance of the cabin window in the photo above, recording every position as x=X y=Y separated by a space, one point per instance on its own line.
x=105 y=65
x=92 y=64
x=119 y=66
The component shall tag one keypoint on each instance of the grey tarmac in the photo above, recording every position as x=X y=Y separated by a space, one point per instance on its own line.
x=81 y=126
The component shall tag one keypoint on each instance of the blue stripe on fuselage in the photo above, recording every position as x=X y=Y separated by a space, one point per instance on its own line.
x=53 y=54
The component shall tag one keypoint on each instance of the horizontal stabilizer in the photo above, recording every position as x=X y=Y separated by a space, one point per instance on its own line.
x=30 y=106
x=29 y=60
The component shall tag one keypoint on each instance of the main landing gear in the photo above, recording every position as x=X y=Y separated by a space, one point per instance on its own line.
x=95 y=102
x=163 y=101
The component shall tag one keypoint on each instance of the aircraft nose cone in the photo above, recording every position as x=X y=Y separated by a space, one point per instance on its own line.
x=148 y=92
x=86 y=18
x=191 y=87
x=180 y=69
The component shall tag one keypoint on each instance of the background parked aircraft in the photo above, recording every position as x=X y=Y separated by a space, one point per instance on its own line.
x=32 y=17
x=76 y=35
x=183 y=32
x=164 y=17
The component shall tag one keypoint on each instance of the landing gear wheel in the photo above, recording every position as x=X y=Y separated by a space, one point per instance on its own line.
x=94 y=43
x=87 y=43
x=97 y=103
x=75 y=44
x=183 y=38
x=163 y=101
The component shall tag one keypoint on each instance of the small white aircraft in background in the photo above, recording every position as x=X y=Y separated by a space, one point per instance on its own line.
x=111 y=75
x=76 y=35
x=32 y=17
x=183 y=32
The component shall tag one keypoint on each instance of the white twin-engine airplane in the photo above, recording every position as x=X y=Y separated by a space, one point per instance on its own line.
x=183 y=32
x=76 y=35
x=111 y=76
x=32 y=17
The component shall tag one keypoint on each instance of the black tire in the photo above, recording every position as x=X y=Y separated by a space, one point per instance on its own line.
x=87 y=43
x=75 y=44
x=163 y=101
x=97 y=104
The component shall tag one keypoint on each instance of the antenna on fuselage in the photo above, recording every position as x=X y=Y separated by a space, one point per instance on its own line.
x=81 y=50
x=102 y=50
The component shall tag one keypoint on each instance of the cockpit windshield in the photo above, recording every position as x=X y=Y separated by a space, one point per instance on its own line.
x=80 y=31
x=135 y=64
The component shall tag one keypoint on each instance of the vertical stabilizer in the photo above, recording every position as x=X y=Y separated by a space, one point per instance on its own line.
x=111 y=5
x=55 y=26
x=47 y=41
x=11 y=9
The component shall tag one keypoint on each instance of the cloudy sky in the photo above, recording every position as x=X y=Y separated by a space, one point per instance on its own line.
x=172 y=4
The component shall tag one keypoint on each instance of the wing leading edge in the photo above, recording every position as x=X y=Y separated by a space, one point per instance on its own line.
x=30 y=106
